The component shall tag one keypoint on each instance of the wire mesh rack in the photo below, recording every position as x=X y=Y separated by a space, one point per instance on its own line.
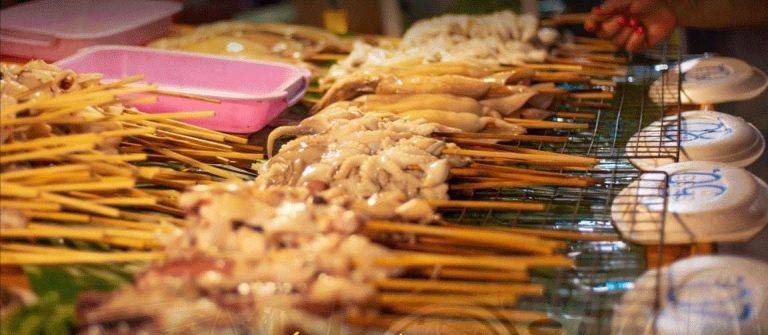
x=582 y=299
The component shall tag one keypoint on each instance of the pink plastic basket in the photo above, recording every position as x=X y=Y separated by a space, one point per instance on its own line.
x=252 y=93
x=53 y=29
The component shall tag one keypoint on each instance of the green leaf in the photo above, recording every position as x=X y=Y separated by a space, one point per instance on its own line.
x=44 y=279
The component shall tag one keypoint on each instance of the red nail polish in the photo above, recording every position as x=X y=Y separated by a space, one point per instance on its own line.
x=640 y=30
x=590 y=27
x=597 y=8
x=622 y=21
x=633 y=23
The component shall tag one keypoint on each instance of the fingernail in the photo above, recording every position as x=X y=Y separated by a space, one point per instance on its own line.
x=597 y=8
x=589 y=26
x=640 y=30
x=622 y=21
x=633 y=23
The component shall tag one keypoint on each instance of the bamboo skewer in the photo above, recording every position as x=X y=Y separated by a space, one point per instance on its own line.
x=34 y=205
x=527 y=158
x=513 y=263
x=574 y=18
x=479 y=236
x=187 y=96
x=458 y=286
x=45 y=153
x=510 y=137
x=22 y=258
x=459 y=299
x=508 y=205
x=452 y=310
x=538 y=124
x=470 y=274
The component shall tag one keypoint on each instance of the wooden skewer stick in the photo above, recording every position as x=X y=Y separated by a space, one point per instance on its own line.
x=553 y=67
x=534 y=179
x=563 y=235
x=509 y=137
x=492 y=184
x=592 y=104
x=508 y=205
x=524 y=158
x=98 y=156
x=453 y=311
x=538 y=124
x=575 y=115
x=126 y=201
x=187 y=96
x=460 y=299
x=190 y=161
x=105 y=183
x=573 y=18
x=207 y=153
x=514 y=263
x=470 y=274
x=227 y=137
x=430 y=285
x=593 y=95
x=184 y=131
x=24 y=258
x=34 y=205
x=45 y=153
x=58 y=216
x=51 y=141
x=474 y=235
x=26 y=173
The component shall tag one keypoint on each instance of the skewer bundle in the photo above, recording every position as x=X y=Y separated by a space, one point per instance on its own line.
x=74 y=155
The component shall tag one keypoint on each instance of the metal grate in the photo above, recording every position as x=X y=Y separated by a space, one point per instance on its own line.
x=582 y=299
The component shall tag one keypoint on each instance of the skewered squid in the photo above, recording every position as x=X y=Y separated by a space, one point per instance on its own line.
x=366 y=156
x=353 y=86
x=246 y=254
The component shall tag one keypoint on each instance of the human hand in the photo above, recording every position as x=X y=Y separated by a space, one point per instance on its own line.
x=632 y=24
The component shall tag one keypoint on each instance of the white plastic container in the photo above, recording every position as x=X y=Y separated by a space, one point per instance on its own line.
x=705 y=136
x=705 y=202
x=53 y=29
x=710 y=80
x=706 y=295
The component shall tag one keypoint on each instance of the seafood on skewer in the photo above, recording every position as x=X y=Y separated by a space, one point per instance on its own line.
x=372 y=157
x=292 y=258
x=489 y=40
x=247 y=253
x=493 y=86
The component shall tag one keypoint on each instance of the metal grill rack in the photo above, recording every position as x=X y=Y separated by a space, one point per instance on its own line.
x=582 y=299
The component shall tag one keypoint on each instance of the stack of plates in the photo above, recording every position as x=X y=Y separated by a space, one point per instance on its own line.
x=709 y=81
x=704 y=136
x=699 y=295
x=704 y=202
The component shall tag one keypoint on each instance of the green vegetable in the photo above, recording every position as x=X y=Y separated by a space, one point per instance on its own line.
x=58 y=288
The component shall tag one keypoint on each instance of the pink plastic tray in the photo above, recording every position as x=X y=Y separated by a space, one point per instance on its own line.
x=252 y=93
x=53 y=29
